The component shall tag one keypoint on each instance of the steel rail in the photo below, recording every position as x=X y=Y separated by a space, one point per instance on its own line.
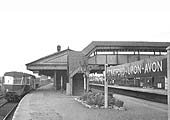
x=1 y=105
x=2 y=96
x=10 y=112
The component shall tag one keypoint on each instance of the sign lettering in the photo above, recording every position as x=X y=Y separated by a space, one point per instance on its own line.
x=140 y=68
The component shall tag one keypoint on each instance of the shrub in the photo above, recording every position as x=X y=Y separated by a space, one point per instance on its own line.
x=98 y=99
x=119 y=103
x=84 y=97
x=111 y=101
x=91 y=98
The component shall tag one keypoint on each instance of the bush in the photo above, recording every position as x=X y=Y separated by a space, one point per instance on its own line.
x=91 y=98
x=119 y=103
x=98 y=99
x=84 y=97
x=111 y=101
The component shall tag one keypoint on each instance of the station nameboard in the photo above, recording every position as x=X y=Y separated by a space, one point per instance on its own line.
x=156 y=66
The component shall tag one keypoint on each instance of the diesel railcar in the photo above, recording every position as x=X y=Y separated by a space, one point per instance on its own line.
x=17 y=84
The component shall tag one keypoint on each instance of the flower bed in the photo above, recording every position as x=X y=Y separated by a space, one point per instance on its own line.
x=96 y=100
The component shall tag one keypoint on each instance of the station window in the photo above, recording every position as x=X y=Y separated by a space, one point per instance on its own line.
x=136 y=52
x=104 y=52
x=125 y=52
x=157 y=53
x=163 y=53
x=92 y=54
x=146 y=53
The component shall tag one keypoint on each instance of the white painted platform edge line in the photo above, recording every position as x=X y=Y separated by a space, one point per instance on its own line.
x=13 y=118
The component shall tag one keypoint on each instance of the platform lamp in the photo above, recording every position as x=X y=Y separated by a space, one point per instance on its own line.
x=168 y=76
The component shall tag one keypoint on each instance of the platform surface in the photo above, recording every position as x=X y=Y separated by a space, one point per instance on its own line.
x=48 y=104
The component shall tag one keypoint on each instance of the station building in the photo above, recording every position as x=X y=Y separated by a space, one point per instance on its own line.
x=71 y=69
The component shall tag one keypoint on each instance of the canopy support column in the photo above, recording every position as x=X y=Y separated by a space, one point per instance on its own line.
x=168 y=78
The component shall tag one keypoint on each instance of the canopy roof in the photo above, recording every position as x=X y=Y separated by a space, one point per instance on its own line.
x=71 y=60
x=61 y=61
x=55 y=61
x=141 y=45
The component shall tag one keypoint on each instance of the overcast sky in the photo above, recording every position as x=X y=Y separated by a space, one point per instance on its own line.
x=32 y=29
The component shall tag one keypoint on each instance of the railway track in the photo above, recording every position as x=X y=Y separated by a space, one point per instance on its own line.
x=2 y=100
x=137 y=94
x=1 y=96
x=7 y=109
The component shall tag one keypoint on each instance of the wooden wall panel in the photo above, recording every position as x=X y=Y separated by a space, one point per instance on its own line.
x=122 y=59
x=111 y=59
x=132 y=58
x=91 y=60
x=101 y=59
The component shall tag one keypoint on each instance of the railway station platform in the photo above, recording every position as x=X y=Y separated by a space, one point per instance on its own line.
x=48 y=104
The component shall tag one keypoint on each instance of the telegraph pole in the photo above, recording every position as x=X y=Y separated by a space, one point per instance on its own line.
x=168 y=78
x=105 y=88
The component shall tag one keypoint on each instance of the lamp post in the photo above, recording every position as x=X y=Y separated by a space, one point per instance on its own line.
x=105 y=88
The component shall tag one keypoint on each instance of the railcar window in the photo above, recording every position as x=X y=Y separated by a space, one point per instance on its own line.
x=28 y=81
x=18 y=81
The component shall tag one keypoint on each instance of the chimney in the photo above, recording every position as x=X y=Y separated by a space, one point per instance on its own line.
x=58 y=48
